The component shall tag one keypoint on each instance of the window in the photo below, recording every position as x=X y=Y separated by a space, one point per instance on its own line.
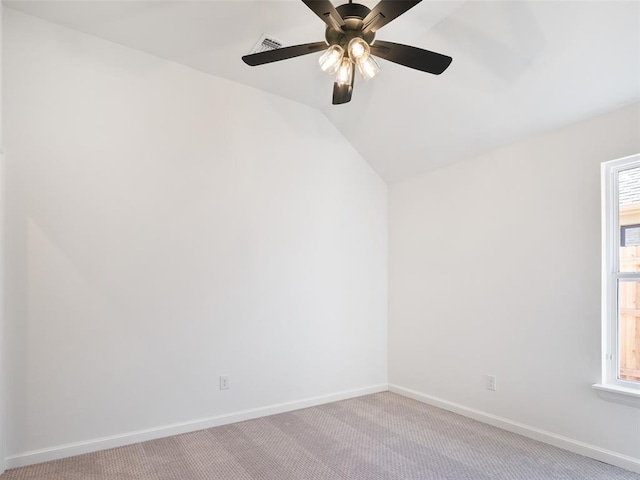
x=621 y=278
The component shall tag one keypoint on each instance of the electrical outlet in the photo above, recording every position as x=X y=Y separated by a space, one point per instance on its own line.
x=224 y=382
x=491 y=382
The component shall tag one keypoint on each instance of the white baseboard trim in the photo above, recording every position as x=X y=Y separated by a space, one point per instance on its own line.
x=597 y=453
x=78 y=448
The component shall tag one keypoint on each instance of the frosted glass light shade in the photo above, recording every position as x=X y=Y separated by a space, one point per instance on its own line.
x=358 y=49
x=368 y=67
x=331 y=59
x=345 y=72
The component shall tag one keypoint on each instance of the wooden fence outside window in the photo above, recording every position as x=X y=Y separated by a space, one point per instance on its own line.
x=629 y=300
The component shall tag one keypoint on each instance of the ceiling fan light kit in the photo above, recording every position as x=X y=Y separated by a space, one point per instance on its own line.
x=350 y=33
x=368 y=68
x=331 y=59
x=358 y=49
x=345 y=72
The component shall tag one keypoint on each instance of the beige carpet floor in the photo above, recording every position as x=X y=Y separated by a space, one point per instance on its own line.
x=380 y=436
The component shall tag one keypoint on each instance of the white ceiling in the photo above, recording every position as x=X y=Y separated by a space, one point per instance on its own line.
x=519 y=67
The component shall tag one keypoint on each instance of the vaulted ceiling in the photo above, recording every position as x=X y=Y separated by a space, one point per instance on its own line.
x=519 y=67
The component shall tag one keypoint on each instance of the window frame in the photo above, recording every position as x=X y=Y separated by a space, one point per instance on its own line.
x=611 y=276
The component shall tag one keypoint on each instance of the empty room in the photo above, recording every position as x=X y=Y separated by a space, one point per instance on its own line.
x=313 y=239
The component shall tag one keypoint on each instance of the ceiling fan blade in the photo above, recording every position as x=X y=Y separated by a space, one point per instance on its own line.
x=386 y=11
x=326 y=11
x=412 y=57
x=342 y=93
x=283 y=53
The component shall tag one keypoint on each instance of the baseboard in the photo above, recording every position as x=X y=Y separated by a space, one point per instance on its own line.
x=597 y=453
x=72 y=449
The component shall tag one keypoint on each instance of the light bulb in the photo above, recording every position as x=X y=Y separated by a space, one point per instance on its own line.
x=345 y=72
x=358 y=49
x=331 y=59
x=368 y=67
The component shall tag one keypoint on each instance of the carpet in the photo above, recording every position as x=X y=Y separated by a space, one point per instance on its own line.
x=375 y=437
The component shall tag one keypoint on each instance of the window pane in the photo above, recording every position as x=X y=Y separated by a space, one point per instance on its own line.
x=629 y=221
x=629 y=329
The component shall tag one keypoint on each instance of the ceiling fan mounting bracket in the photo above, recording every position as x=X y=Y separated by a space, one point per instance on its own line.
x=352 y=14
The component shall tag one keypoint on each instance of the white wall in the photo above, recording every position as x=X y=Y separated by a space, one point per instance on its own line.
x=2 y=234
x=166 y=227
x=495 y=269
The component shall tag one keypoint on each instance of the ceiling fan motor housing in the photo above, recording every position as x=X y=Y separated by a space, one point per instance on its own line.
x=352 y=14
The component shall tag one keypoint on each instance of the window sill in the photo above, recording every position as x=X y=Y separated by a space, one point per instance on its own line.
x=621 y=395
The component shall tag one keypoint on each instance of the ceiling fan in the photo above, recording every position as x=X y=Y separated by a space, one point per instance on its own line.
x=350 y=34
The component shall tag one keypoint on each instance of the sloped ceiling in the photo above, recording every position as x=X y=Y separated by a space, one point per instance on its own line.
x=519 y=68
